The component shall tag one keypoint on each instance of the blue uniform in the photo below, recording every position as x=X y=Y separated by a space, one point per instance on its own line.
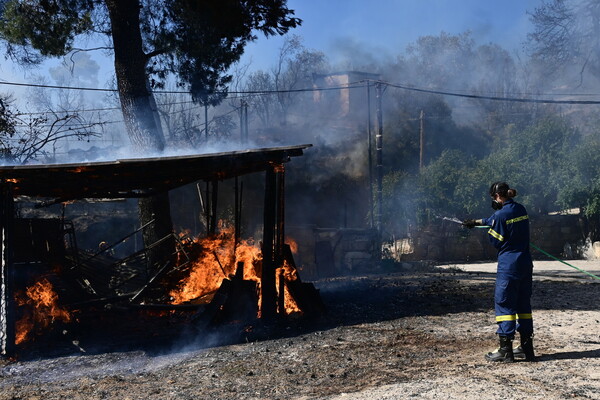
x=509 y=233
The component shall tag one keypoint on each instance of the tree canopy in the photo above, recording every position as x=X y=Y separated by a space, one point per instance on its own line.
x=195 y=40
x=567 y=34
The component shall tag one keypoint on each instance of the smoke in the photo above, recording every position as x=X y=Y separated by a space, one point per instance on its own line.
x=72 y=368
x=337 y=120
x=350 y=54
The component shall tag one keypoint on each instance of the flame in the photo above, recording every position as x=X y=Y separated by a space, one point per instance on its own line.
x=293 y=244
x=42 y=312
x=288 y=273
x=215 y=260
x=278 y=167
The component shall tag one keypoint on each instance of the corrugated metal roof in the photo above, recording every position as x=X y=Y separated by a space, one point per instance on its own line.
x=139 y=177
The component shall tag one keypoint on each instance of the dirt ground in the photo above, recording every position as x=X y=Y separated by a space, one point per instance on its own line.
x=417 y=332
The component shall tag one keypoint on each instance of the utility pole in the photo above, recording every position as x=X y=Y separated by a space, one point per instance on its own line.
x=379 y=151
x=421 y=139
x=370 y=153
x=206 y=122
x=244 y=121
x=242 y=136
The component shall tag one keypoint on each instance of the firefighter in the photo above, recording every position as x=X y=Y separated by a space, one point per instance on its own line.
x=509 y=233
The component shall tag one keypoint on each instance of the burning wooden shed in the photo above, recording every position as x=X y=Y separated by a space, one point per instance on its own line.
x=32 y=247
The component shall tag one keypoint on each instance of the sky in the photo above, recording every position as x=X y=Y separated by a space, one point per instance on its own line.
x=386 y=27
x=380 y=28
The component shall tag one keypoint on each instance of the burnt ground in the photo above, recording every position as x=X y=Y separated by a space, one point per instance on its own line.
x=417 y=333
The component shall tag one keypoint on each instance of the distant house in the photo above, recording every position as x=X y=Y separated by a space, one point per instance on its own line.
x=350 y=101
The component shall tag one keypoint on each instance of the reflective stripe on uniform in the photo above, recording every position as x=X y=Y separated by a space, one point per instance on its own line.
x=523 y=218
x=500 y=318
x=496 y=235
x=524 y=316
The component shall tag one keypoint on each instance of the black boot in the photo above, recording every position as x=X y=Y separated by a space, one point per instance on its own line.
x=525 y=350
x=504 y=352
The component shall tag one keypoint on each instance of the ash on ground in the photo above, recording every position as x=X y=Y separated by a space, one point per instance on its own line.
x=395 y=335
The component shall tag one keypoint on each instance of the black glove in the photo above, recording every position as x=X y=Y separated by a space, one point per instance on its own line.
x=471 y=223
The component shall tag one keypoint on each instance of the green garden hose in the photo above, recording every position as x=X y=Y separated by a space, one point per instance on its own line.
x=551 y=256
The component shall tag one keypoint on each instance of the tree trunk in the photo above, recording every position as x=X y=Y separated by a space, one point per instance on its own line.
x=136 y=102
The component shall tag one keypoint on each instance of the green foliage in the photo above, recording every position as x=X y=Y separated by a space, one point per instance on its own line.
x=533 y=160
x=547 y=163
x=439 y=180
x=47 y=26
x=581 y=183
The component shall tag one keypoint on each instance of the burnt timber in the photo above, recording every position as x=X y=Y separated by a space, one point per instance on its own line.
x=136 y=178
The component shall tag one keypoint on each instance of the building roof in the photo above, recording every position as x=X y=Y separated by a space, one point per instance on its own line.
x=138 y=177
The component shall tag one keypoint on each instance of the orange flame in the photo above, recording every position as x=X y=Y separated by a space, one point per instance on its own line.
x=43 y=310
x=216 y=261
x=289 y=274
x=293 y=244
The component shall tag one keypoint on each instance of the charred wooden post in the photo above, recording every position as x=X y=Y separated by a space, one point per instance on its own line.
x=207 y=208
x=210 y=208
x=7 y=302
x=280 y=223
x=239 y=271
x=239 y=189
x=203 y=319
x=280 y=237
x=273 y=237
x=281 y=291
x=213 y=207
x=269 y=292
x=156 y=208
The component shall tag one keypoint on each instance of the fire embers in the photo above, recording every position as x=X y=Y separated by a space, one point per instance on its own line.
x=39 y=305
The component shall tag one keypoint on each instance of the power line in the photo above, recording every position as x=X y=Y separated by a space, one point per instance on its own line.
x=313 y=89
x=95 y=109
x=495 y=98
x=57 y=87
x=352 y=85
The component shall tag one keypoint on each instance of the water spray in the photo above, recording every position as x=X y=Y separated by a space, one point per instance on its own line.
x=456 y=220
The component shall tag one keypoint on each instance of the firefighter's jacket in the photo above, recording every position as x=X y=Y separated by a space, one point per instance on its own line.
x=509 y=233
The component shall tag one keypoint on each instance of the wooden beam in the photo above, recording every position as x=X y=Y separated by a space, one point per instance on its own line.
x=7 y=300
x=268 y=289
